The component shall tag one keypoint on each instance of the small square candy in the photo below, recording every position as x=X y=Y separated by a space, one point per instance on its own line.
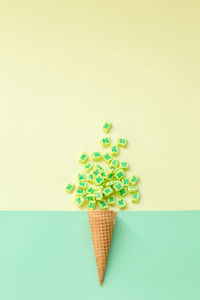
x=90 y=178
x=111 y=200
x=80 y=201
x=119 y=174
x=100 y=168
x=91 y=204
x=114 y=163
x=69 y=188
x=82 y=185
x=105 y=142
x=121 y=203
x=122 y=142
x=132 y=189
x=110 y=183
x=80 y=192
x=114 y=150
x=99 y=194
x=118 y=185
x=102 y=204
x=84 y=158
x=123 y=192
x=136 y=197
x=90 y=191
x=91 y=198
x=99 y=180
x=134 y=180
x=125 y=181
x=96 y=172
x=106 y=127
x=96 y=156
x=111 y=176
x=123 y=165
x=107 y=158
x=81 y=177
x=108 y=191
x=88 y=167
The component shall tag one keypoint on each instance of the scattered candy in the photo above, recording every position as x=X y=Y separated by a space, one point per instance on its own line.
x=108 y=191
x=90 y=191
x=88 y=167
x=123 y=192
x=136 y=197
x=107 y=158
x=82 y=185
x=96 y=156
x=81 y=177
x=114 y=163
x=122 y=142
x=111 y=200
x=105 y=142
x=132 y=189
x=80 y=201
x=125 y=181
x=103 y=204
x=121 y=203
x=106 y=127
x=114 y=150
x=80 y=192
x=99 y=180
x=99 y=194
x=123 y=165
x=119 y=174
x=90 y=178
x=118 y=185
x=91 y=204
x=84 y=158
x=69 y=188
x=134 y=180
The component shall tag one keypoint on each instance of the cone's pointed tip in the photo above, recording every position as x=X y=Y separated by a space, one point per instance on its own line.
x=100 y=281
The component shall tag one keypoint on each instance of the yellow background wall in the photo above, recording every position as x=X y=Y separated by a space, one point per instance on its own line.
x=67 y=66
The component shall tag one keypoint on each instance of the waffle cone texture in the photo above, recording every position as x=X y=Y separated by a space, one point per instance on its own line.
x=102 y=225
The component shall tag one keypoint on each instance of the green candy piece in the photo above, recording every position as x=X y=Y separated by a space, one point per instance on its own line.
x=99 y=195
x=136 y=197
x=106 y=127
x=122 y=203
x=107 y=158
x=119 y=174
x=80 y=201
x=132 y=189
x=88 y=167
x=99 y=180
x=125 y=181
x=117 y=186
x=105 y=142
x=81 y=177
x=122 y=142
x=124 y=165
x=69 y=188
x=123 y=192
x=91 y=204
x=82 y=185
x=102 y=204
x=110 y=183
x=96 y=172
x=96 y=156
x=80 y=192
x=108 y=191
x=100 y=168
x=90 y=191
x=111 y=201
x=84 y=158
x=114 y=163
x=91 y=198
x=115 y=150
x=134 y=180
x=90 y=178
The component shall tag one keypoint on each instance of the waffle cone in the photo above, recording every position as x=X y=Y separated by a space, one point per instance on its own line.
x=102 y=225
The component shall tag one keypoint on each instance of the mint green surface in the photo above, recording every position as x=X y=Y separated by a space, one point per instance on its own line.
x=49 y=256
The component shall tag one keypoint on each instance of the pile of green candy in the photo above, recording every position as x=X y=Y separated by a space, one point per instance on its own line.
x=105 y=186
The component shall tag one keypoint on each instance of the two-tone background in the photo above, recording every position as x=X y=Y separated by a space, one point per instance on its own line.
x=65 y=68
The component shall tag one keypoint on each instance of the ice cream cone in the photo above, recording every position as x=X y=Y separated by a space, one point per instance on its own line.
x=102 y=225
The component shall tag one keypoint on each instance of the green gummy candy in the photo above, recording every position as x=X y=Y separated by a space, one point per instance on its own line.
x=122 y=142
x=114 y=150
x=88 y=167
x=91 y=204
x=125 y=181
x=80 y=192
x=105 y=142
x=99 y=194
x=69 y=188
x=123 y=192
x=81 y=177
x=110 y=183
x=121 y=203
x=96 y=172
x=132 y=189
x=84 y=158
x=114 y=163
x=82 y=185
x=107 y=158
x=103 y=204
x=108 y=191
x=134 y=180
x=118 y=185
x=90 y=178
x=90 y=191
x=119 y=174
x=99 y=180
x=123 y=165
x=80 y=201
x=111 y=200
x=96 y=156
x=136 y=197
x=106 y=127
